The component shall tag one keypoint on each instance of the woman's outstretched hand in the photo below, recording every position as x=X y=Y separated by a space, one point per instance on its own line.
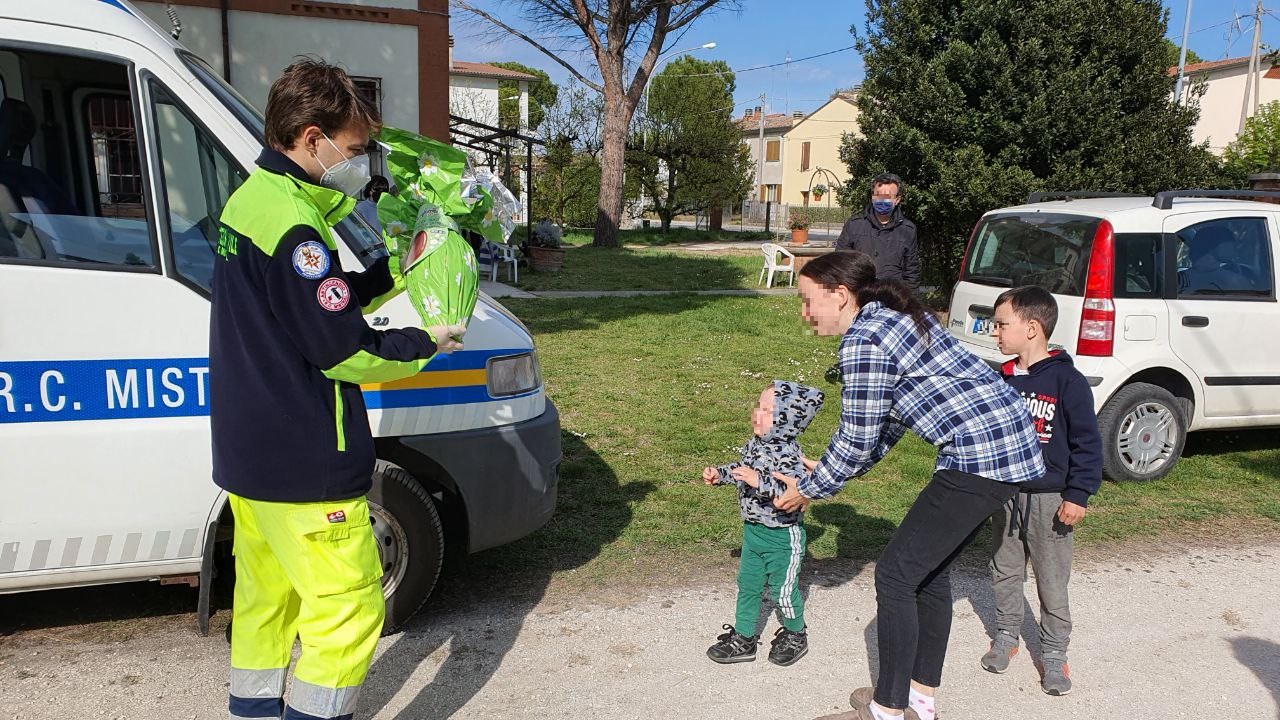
x=791 y=499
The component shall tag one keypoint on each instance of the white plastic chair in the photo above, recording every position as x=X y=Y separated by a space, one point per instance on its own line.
x=505 y=254
x=773 y=265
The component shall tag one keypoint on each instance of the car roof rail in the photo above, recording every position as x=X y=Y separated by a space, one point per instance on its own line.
x=1164 y=200
x=1039 y=197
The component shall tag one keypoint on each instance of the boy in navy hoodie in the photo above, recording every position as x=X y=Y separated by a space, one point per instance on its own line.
x=1037 y=524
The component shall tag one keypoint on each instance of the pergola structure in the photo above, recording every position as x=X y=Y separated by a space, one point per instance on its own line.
x=496 y=142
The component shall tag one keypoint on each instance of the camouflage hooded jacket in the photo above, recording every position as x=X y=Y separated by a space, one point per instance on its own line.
x=794 y=407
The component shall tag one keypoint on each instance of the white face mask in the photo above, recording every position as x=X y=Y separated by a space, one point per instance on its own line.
x=349 y=176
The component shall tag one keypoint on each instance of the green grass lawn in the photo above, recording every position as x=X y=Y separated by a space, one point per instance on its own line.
x=647 y=261
x=654 y=236
x=590 y=268
x=652 y=389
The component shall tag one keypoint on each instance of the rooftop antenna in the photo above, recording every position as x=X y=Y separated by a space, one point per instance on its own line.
x=173 y=20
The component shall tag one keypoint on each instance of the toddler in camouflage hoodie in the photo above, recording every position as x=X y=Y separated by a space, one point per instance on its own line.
x=773 y=541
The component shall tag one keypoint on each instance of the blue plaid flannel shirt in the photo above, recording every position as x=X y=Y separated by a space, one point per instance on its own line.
x=894 y=381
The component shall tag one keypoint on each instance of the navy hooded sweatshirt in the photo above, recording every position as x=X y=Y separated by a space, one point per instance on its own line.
x=1061 y=406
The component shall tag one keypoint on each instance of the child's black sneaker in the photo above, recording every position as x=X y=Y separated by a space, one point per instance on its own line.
x=733 y=647
x=788 y=647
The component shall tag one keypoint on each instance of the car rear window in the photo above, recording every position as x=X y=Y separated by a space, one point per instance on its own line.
x=1049 y=250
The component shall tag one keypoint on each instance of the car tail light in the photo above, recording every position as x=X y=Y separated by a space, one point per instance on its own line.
x=1098 y=318
x=964 y=258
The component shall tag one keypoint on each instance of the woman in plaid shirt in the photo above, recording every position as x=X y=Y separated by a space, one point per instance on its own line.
x=902 y=371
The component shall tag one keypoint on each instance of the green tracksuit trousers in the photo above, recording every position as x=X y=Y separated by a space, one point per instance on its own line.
x=770 y=556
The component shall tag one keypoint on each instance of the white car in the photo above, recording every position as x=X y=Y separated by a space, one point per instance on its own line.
x=1167 y=303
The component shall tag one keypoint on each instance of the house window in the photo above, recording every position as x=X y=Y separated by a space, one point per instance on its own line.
x=772 y=150
x=115 y=155
x=804 y=155
x=370 y=88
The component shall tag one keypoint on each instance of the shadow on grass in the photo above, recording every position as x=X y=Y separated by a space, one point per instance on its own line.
x=605 y=269
x=654 y=236
x=545 y=317
x=1263 y=658
x=473 y=621
x=1255 y=450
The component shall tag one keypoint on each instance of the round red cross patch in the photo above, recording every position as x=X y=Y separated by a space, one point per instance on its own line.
x=333 y=294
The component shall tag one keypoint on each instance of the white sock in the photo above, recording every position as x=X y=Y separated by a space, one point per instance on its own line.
x=923 y=705
x=879 y=714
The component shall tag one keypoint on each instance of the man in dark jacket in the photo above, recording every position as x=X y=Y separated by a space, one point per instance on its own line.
x=884 y=233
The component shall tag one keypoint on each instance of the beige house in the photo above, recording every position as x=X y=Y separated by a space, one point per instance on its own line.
x=1223 y=82
x=769 y=182
x=812 y=146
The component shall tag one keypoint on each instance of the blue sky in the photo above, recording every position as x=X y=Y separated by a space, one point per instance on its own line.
x=768 y=31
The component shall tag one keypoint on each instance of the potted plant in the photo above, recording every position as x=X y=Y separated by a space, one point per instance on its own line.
x=818 y=191
x=799 y=224
x=543 y=250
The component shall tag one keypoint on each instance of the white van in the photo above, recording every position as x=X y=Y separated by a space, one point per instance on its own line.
x=1167 y=303
x=118 y=149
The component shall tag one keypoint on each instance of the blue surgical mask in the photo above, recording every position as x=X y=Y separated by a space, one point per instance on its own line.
x=882 y=207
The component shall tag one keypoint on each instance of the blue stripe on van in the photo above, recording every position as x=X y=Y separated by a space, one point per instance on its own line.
x=122 y=389
x=116 y=3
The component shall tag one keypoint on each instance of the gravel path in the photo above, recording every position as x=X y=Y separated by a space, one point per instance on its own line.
x=1187 y=636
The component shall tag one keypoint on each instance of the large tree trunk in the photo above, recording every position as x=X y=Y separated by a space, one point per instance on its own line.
x=669 y=210
x=612 y=157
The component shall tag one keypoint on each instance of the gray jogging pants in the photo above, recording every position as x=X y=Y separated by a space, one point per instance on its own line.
x=1047 y=543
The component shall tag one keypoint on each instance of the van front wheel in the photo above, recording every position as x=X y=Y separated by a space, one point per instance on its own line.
x=410 y=538
x=1143 y=432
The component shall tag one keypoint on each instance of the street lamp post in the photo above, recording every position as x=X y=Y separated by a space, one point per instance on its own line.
x=656 y=67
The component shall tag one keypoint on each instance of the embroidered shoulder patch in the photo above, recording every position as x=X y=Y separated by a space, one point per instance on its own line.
x=311 y=260
x=333 y=294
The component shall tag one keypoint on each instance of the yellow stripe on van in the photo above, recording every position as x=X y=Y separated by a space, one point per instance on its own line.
x=433 y=379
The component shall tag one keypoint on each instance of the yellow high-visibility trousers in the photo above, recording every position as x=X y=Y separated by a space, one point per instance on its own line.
x=307 y=571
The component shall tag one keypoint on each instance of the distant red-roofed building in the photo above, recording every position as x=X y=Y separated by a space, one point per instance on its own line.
x=776 y=125
x=1223 y=82
x=473 y=90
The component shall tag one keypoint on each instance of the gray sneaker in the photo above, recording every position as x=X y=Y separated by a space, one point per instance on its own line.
x=1003 y=648
x=1057 y=674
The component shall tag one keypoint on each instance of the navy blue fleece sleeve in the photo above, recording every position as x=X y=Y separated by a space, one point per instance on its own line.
x=1084 y=443
x=323 y=319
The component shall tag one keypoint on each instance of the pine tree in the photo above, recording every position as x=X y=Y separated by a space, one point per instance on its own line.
x=975 y=103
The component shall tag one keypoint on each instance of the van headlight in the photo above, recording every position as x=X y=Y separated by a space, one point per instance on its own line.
x=513 y=374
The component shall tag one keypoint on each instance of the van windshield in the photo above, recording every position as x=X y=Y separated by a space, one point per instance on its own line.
x=354 y=231
x=244 y=111
x=1048 y=250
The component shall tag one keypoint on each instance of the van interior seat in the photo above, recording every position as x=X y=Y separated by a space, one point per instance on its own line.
x=24 y=189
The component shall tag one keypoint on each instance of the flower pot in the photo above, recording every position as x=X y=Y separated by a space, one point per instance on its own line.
x=800 y=237
x=543 y=259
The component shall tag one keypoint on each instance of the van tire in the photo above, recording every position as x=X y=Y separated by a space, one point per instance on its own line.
x=405 y=520
x=1129 y=423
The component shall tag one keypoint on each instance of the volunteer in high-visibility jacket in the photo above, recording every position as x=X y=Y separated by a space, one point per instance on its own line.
x=291 y=442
